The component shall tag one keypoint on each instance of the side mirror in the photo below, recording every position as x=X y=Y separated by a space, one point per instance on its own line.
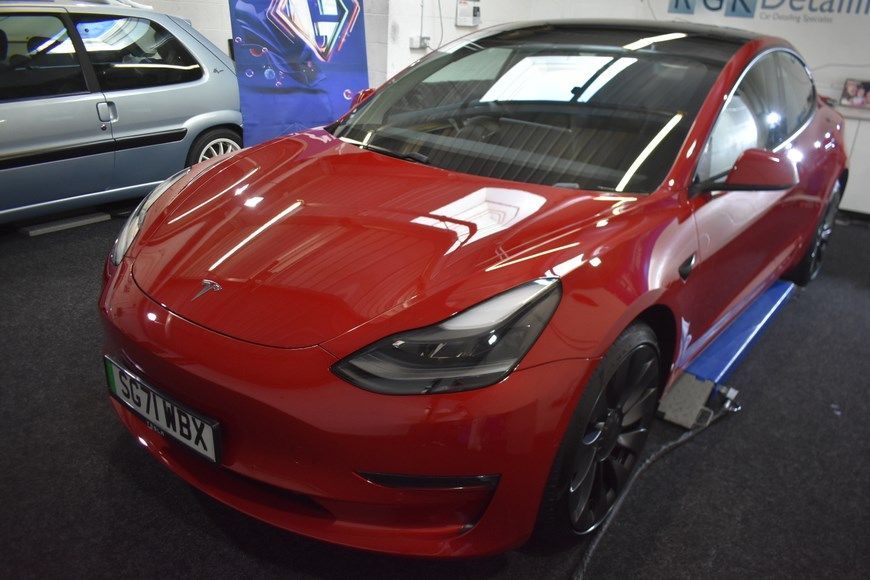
x=361 y=97
x=754 y=170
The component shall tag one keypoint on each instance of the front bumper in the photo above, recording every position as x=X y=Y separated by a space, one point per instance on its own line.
x=296 y=438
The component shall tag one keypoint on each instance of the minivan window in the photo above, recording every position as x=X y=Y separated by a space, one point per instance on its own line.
x=135 y=53
x=799 y=94
x=754 y=117
x=37 y=58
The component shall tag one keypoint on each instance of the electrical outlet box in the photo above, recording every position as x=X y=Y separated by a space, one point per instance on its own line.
x=418 y=42
x=468 y=13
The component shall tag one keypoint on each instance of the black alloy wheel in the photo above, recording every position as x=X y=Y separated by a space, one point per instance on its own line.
x=604 y=441
x=823 y=233
x=614 y=438
x=810 y=265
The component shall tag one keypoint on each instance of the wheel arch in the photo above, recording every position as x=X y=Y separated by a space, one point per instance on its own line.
x=663 y=323
x=195 y=141
x=230 y=126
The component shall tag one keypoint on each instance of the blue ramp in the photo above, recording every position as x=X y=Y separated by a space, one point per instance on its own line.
x=719 y=360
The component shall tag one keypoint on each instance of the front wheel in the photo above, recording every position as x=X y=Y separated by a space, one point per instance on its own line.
x=213 y=143
x=603 y=443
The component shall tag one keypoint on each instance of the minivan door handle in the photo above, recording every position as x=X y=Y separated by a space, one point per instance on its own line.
x=107 y=112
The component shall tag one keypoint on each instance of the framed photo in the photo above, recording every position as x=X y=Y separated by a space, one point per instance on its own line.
x=856 y=94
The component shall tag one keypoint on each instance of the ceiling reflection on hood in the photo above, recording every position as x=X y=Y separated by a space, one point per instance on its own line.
x=482 y=213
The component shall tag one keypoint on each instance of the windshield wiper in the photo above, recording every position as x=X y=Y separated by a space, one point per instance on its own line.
x=411 y=156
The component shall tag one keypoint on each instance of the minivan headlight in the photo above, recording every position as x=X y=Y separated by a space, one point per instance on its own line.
x=475 y=348
x=134 y=222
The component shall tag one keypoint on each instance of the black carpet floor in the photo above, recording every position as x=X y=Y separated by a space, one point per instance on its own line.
x=781 y=489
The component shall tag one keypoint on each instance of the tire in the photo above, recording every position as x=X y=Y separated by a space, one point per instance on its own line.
x=810 y=265
x=212 y=143
x=605 y=437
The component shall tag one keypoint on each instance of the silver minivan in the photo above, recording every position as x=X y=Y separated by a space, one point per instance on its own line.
x=100 y=102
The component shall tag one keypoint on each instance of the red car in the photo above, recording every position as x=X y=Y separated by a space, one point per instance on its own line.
x=444 y=321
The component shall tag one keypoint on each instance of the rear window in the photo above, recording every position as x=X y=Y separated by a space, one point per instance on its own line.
x=37 y=58
x=543 y=108
x=135 y=53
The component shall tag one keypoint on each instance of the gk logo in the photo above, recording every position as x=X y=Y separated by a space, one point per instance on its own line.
x=738 y=8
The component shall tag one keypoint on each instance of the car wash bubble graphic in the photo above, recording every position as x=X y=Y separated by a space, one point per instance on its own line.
x=249 y=73
x=238 y=39
x=347 y=94
x=269 y=74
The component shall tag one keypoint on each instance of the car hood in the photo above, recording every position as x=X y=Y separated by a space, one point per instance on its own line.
x=297 y=241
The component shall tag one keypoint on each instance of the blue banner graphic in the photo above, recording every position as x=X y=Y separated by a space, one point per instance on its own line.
x=299 y=62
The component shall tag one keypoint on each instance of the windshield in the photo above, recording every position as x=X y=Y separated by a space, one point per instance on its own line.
x=541 y=107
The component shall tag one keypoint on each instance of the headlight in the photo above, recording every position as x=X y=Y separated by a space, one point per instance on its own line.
x=473 y=349
x=134 y=222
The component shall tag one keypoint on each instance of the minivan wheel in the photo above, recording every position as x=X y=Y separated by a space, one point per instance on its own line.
x=213 y=143
x=603 y=443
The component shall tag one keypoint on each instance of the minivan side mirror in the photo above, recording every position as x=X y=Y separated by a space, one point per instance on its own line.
x=754 y=170
x=361 y=97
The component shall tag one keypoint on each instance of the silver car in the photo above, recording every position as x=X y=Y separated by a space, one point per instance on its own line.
x=100 y=102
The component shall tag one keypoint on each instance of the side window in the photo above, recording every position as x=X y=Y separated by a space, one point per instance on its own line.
x=754 y=117
x=37 y=58
x=799 y=94
x=135 y=53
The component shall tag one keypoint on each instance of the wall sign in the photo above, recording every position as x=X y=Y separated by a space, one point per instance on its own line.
x=299 y=62
x=820 y=11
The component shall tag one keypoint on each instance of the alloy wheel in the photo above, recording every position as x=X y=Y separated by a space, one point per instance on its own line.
x=824 y=232
x=613 y=438
x=219 y=146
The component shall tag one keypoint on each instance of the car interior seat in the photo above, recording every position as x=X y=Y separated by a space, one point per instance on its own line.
x=34 y=43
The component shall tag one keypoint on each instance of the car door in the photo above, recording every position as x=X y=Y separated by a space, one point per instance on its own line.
x=745 y=237
x=52 y=143
x=151 y=82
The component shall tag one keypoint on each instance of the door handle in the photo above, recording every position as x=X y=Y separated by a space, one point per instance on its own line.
x=687 y=267
x=107 y=112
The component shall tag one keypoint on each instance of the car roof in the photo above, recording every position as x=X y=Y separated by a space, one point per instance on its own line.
x=74 y=3
x=711 y=43
x=661 y=27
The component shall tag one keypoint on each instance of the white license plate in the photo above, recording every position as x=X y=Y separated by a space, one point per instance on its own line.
x=162 y=414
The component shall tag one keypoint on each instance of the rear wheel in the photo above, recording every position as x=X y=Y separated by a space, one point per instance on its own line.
x=213 y=143
x=603 y=444
x=811 y=264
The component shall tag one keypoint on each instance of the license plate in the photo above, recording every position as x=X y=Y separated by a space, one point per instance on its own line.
x=162 y=414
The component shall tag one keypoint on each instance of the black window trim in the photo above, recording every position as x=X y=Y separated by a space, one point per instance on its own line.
x=91 y=84
x=737 y=83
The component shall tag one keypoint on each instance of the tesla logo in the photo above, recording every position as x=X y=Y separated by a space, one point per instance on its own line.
x=321 y=24
x=207 y=286
x=739 y=8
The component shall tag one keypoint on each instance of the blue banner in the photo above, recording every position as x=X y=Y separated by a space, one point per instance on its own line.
x=299 y=62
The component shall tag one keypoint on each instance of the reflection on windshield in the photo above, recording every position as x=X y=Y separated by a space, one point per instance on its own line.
x=542 y=108
x=545 y=78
